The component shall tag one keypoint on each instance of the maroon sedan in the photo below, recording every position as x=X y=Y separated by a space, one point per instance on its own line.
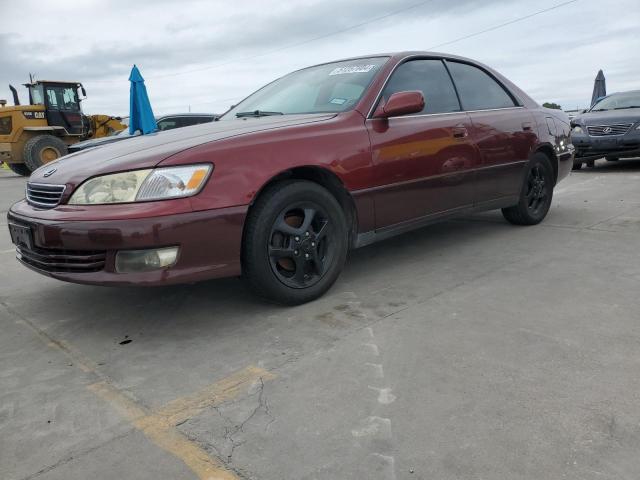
x=327 y=158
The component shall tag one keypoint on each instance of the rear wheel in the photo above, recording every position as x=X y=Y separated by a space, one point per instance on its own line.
x=43 y=149
x=295 y=242
x=577 y=165
x=20 y=169
x=612 y=159
x=536 y=193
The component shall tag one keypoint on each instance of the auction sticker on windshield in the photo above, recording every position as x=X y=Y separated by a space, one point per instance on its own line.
x=352 y=69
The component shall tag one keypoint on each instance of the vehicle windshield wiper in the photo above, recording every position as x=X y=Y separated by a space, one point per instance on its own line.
x=257 y=113
x=624 y=108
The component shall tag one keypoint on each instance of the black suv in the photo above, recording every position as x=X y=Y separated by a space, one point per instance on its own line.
x=611 y=129
x=166 y=122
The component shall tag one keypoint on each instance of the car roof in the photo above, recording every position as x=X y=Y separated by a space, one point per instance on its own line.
x=402 y=54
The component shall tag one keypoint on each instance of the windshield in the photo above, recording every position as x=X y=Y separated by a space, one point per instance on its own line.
x=62 y=98
x=618 y=101
x=333 y=87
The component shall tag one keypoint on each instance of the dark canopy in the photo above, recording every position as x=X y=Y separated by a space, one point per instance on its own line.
x=599 y=88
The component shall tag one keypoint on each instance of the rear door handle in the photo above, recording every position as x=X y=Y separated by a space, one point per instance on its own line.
x=526 y=126
x=460 y=131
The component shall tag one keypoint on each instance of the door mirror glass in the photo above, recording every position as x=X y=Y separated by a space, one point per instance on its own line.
x=401 y=103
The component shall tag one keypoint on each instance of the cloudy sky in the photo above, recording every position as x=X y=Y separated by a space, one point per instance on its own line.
x=206 y=55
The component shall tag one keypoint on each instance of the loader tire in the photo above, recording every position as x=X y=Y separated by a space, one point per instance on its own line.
x=19 y=168
x=43 y=149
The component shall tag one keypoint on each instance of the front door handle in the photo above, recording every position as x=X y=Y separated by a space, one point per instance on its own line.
x=460 y=131
x=526 y=126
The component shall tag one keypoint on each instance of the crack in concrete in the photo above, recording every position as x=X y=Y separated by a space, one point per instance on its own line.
x=76 y=456
x=232 y=429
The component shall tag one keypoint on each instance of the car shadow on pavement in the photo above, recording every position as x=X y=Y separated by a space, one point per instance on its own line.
x=631 y=165
x=219 y=303
x=214 y=307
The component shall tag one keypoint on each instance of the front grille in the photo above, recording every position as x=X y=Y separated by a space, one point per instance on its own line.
x=604 y=130
x=43 y=195
x=67 y=261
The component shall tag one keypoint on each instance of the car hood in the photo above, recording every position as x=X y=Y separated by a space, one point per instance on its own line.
x=147 y=151
x=94 y=142
x=629 y=115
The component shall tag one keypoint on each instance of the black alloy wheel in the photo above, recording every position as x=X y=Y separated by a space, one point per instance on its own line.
x=301 y=245
x=295 y=242
x=536 y=193
x=537 y=190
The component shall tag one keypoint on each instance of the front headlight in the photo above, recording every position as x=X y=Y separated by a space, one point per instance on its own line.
x=577 y=129
x=142 y=185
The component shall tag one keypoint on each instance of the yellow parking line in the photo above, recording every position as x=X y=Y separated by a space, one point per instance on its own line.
x=163 y=435
x=159 y=426
x=229 y=387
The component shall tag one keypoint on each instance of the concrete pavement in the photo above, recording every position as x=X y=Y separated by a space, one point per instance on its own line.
x=469 y=349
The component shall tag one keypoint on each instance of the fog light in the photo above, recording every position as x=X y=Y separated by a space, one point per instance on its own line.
x=131 y=261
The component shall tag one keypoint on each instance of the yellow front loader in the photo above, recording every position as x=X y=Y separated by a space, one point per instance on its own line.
x=35 y=134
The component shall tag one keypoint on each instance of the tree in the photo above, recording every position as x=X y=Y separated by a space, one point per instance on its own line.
x=552 y=105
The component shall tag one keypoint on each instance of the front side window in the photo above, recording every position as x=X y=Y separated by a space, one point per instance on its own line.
x=62 y=98
x=477 y=89
x=332 y=87
x=431 y=78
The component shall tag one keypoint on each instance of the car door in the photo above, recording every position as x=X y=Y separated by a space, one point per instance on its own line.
x=423 y=163
x=503 y=131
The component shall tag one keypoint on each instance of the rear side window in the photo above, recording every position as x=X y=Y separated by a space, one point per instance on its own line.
x=168 y=123
x=431 y=78
x=477 y=89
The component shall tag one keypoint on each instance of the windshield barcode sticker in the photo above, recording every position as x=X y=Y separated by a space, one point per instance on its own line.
x=352 y=69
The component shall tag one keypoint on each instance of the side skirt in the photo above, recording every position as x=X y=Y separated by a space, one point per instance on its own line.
x=367 y=238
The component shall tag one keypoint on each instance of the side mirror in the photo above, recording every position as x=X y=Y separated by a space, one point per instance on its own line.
x=401 y=103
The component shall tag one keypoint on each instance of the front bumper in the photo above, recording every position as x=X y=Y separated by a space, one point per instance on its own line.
x=618 y=145
x=84 y=251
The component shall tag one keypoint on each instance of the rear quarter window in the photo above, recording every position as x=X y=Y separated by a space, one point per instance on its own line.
x=477 y=89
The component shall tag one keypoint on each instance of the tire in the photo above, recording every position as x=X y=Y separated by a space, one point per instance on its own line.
x=536 y=193
x=20 y=169
x=612 y=159
x=591 y=163
x=279 y=261
x=43 y=149
x=577 y=166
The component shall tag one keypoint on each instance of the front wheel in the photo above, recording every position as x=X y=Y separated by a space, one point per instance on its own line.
x=577 y=165
x=43 y=149
x=536 y=193
x=295 y=242
x=19 y=168
x=612 y=159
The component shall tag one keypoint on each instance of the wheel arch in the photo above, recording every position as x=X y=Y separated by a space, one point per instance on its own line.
x=547 y=149
x=325 y=178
